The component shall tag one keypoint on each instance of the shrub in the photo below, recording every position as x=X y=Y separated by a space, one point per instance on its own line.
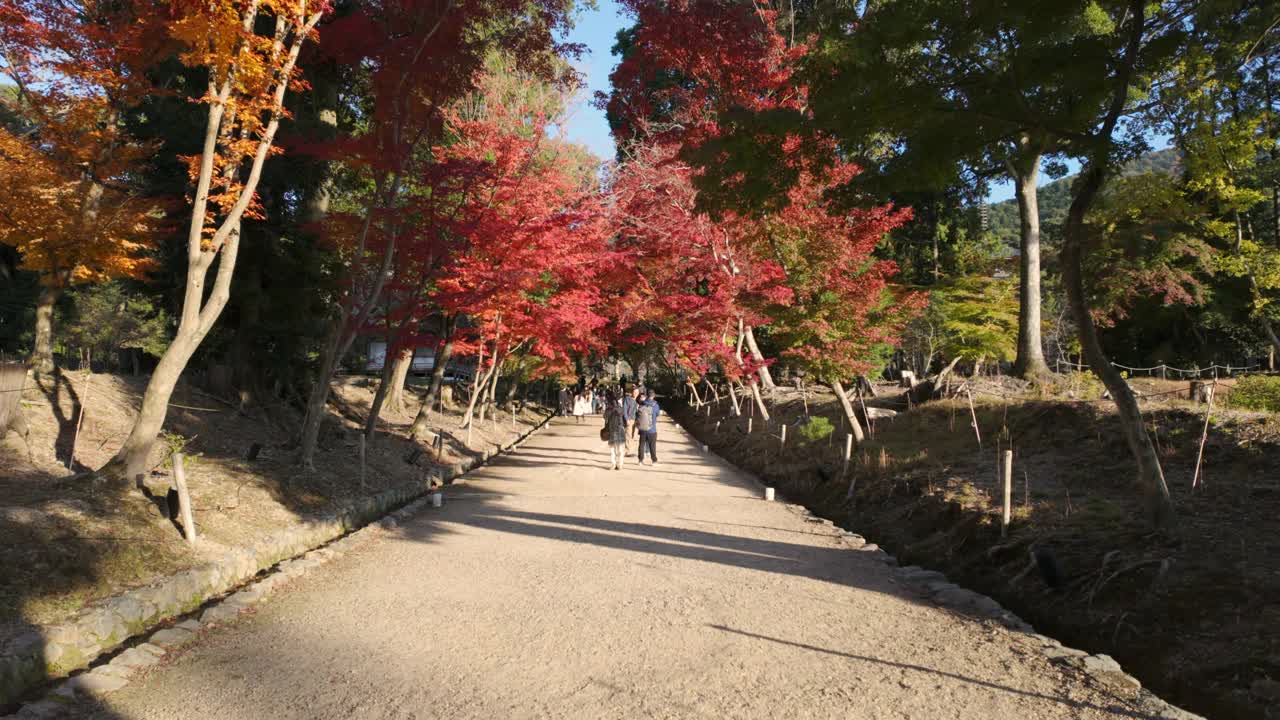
x=815 y=428
x=1256 y=392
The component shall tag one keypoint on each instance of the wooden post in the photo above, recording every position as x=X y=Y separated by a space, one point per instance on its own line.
x=1204 y=435
x=1008 y=493
x=362 y=456
x=748 y=426
x=784 y=436
x=871 y=427
x=717 y=427
x=184 y=498
x=973 y=414
x=844 y=470
x=84 y=405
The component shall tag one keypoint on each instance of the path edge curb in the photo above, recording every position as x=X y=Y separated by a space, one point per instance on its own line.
x=45 y=655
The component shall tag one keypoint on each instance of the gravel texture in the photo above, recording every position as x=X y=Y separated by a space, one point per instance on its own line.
x=549 y=586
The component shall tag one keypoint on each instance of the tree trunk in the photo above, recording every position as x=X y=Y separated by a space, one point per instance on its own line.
x=733 y=398
x=324 y=97
x=319 y=396
x=491 y=397
x=847 y=406
x=400 y=373
x=1030 y=362
x=480 y=387
x=418 y=430
x=755 y=393
x=385 y=385
x=1159 y=506
x=763 y=371
x=697 y=400
x=42 y=353
x=198 y=314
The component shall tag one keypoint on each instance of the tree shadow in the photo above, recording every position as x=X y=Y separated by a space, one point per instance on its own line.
x=350 y=636
x=54 y=386
x=1116 y=709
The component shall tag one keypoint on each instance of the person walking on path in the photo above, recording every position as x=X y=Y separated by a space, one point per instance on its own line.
x=615 y=430
x=630 y=403
x=647 y=427
x=581 y=405
x=566 y=402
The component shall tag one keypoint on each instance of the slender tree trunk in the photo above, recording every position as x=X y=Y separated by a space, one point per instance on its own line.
x=763 y=370
x=493 y=395
x=385 y=386
x=755 y=394
x=418 y=430
x=733 y=398
x=42 y=352
x=1159 y=506
x=319 y=396
x=399 y=374
x=480 y=387
x=1030 y=363
x=697 y=400
x=200 y=315
x=847 y=406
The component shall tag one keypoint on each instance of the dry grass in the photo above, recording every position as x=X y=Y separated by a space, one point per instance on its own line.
x=1192 y=611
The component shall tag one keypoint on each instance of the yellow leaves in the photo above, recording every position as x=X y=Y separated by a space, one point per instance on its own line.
x=43 y=214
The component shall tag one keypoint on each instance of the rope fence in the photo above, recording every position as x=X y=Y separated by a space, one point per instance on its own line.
x=1164 y=370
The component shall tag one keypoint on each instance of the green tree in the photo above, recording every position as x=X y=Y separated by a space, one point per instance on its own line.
x=106 y=318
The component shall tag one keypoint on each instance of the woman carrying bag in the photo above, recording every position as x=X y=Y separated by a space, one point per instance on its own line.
x=614 y=431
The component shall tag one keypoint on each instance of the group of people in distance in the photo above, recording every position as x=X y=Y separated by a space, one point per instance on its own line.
x=629 y=415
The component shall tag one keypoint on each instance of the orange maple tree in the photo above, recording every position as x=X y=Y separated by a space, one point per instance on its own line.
x=249 y=49
x=67 y=203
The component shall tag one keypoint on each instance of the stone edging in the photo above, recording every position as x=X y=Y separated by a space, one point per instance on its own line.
x=48 y=653
x=935 y=586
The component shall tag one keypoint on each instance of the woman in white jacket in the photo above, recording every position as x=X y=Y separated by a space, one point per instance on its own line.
x=582 y=405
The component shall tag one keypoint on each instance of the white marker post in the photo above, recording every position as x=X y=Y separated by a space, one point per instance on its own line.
x=1008 y=493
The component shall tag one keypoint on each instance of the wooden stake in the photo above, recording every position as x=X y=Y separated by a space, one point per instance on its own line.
x=1008 y=493
x=748 y=426
x=784 y=436
x=84 y=405
x=717 y=427
x=844 y=471
x=972 y=413
x=1204 y=435
x=362 y=456
x=871 y=427
x=184 y=498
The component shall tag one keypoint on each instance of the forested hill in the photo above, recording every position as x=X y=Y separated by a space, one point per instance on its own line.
x=1055 y=197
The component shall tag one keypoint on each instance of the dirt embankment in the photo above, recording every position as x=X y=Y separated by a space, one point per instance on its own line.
x=66 y=541
x=1192 y=613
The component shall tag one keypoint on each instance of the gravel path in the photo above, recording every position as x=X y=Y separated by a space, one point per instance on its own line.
x=550 y=586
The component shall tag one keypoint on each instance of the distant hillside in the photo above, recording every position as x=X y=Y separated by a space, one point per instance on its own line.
x=1055 y=197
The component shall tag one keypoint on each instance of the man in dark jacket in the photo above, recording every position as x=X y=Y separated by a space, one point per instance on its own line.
x=647 y=414
x=630 y=402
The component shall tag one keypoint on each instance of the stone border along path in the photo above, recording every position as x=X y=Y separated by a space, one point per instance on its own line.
x=40 y=656
x=910 y=659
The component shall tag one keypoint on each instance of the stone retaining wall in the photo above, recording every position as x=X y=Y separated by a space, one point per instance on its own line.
x=52 y=652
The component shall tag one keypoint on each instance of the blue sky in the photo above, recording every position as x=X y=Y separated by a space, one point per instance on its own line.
x=595 y=29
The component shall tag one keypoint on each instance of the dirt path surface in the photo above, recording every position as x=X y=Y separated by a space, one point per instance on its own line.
x=550 y=586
